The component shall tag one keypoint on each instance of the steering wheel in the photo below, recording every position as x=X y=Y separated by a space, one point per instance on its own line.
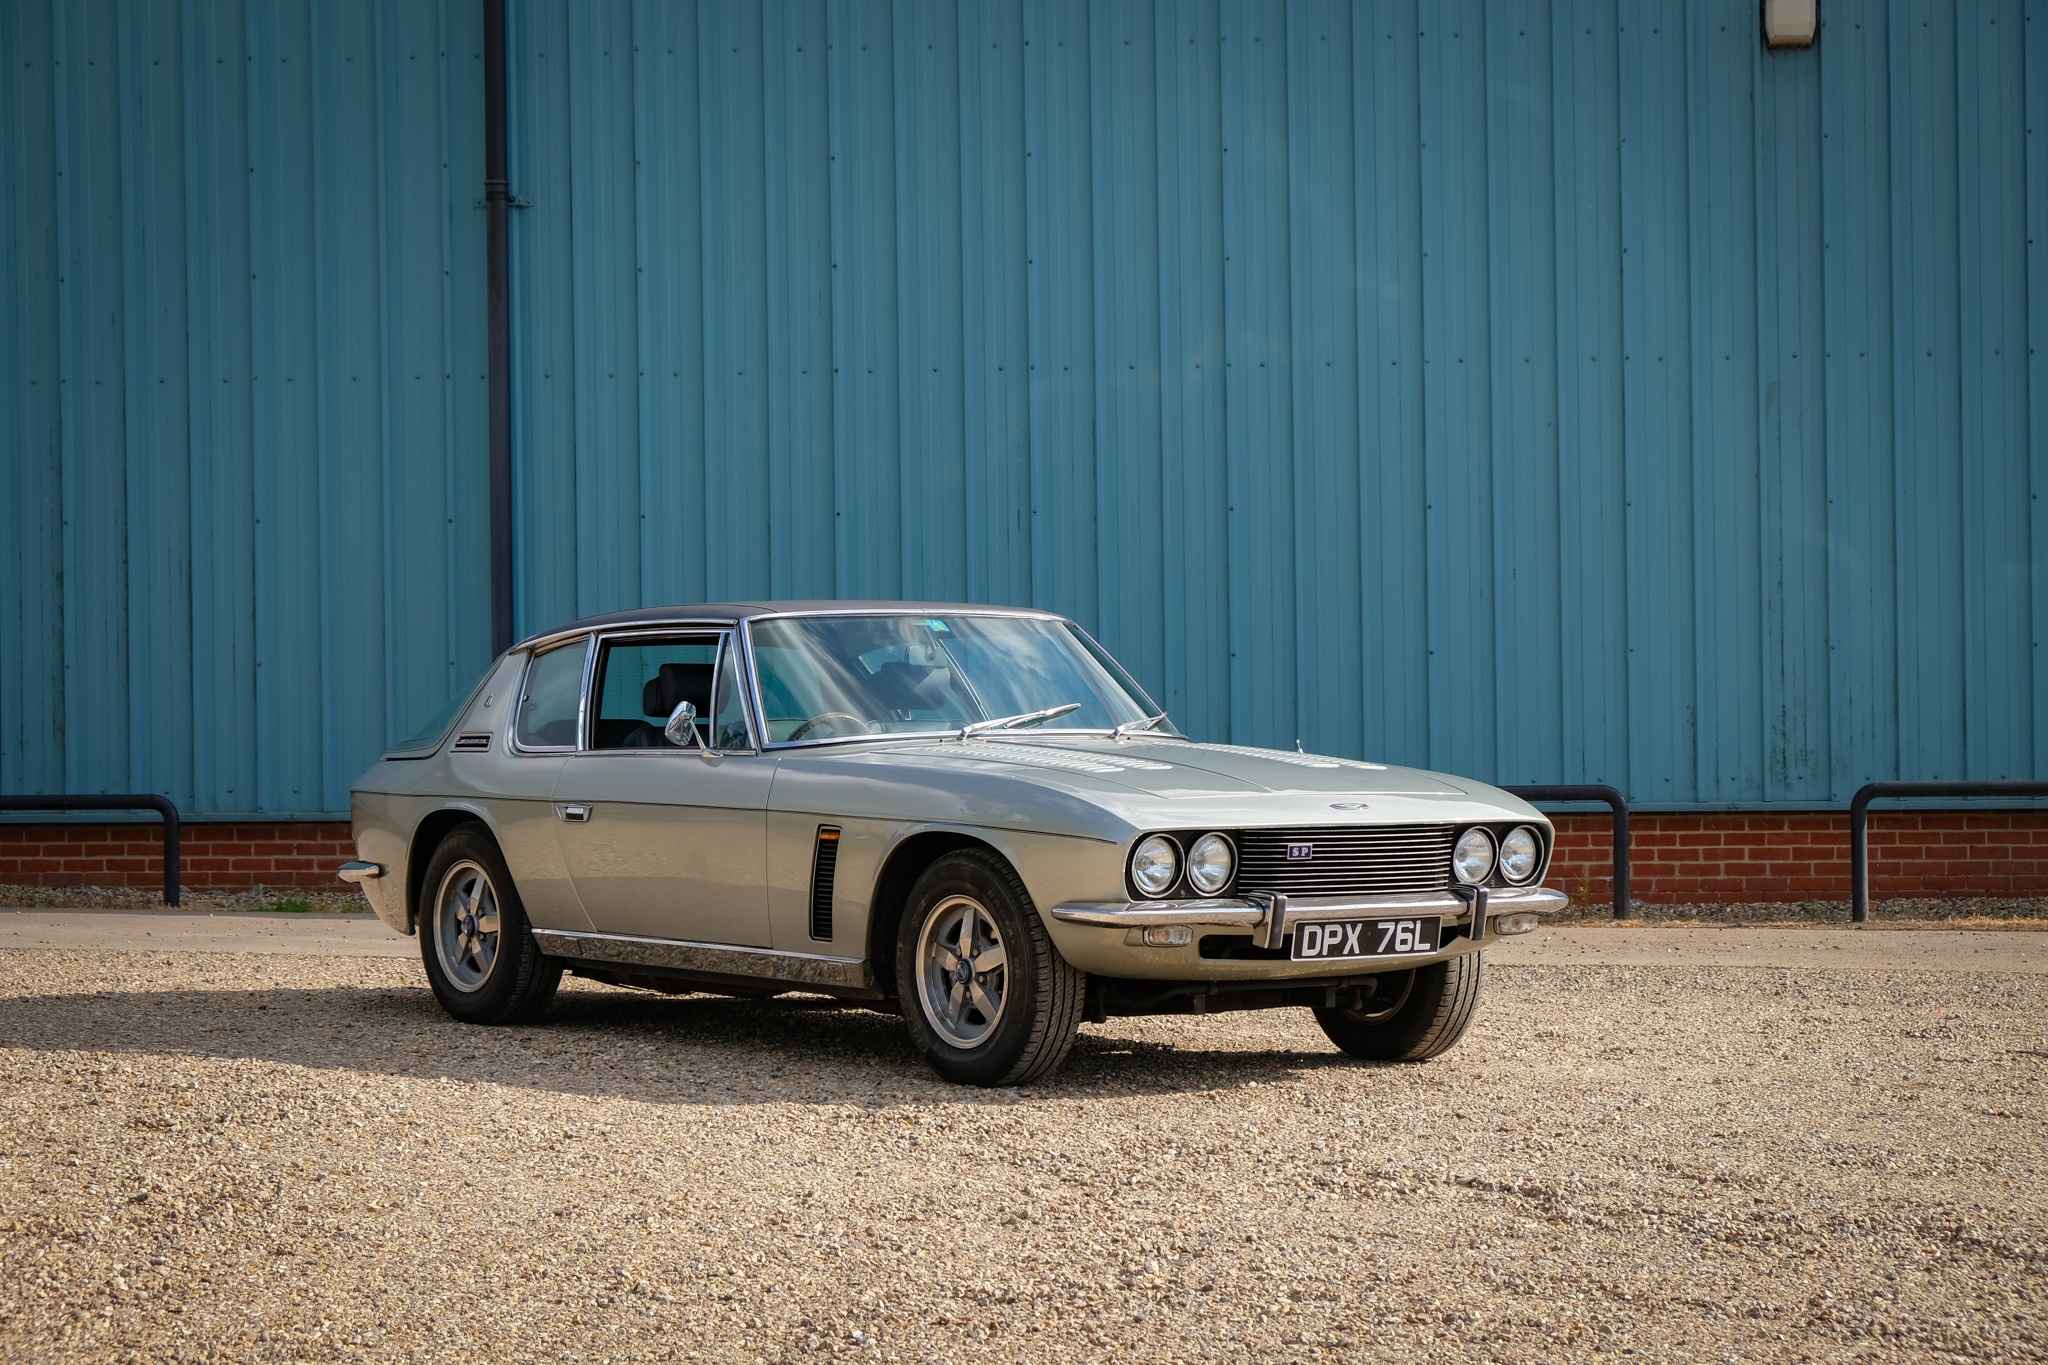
x=821 y=718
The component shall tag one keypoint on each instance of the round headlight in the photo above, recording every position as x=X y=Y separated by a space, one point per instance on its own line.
x=1155 y=866
x=1472 y=859
x=1210 y=863
x=1519 y=854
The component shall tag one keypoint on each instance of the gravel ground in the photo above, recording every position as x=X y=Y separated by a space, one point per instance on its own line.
x=268 y=1157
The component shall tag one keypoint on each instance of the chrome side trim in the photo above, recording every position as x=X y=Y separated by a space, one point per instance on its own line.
x=1249 y=914
x=360 y=872
x=710 y=959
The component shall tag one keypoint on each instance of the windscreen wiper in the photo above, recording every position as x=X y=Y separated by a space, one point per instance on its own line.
x=1010 y=722
x=1137 y=727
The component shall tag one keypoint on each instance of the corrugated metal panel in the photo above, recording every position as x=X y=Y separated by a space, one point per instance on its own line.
x=1194 y=681
x=1926 y=392
x=1998 y=645
x=1592 y=486
x=1862 y=697
x=242 y=383
x=1543 y=392
x=2036 y=47
x=1394 y=556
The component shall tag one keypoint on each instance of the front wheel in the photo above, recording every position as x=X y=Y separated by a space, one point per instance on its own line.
x=987 y=997
x=1411 y=1016
x=479 y=952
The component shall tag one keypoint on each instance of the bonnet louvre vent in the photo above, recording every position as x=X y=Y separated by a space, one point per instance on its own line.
x=472 y=744
x=823 y=864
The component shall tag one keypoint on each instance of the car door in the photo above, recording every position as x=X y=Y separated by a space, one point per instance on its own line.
x=664 y=840
x=517 y=780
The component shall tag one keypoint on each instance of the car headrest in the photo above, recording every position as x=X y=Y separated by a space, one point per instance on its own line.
x=901 y=687
x=674 y=685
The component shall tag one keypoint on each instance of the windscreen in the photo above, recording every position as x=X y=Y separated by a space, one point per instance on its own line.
x=834 y=677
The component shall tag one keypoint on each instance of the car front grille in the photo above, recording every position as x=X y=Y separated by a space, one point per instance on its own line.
x=1346 y=860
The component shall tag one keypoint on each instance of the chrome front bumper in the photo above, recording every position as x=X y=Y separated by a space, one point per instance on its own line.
x=1274 y=917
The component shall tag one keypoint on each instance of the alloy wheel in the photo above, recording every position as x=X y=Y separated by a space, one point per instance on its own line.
x=963 y=971
x=466 y=926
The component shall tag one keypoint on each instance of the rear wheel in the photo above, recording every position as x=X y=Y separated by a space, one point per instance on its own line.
x=987 y=997
x=478 y=949
x=1411 y=1016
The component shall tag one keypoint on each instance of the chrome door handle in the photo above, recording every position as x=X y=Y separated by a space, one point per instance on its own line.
x=574 y=814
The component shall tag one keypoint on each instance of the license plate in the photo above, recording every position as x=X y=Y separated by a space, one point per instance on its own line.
x=1366 y=938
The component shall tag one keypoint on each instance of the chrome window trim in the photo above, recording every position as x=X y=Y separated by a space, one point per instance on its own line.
x=726 y=631
x=750 y=687
x=951 y=732
x=512 y=744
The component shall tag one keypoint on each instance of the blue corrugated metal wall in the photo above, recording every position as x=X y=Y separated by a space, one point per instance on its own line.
x=1545 y=392
x=1552 y=393
x=241 y=392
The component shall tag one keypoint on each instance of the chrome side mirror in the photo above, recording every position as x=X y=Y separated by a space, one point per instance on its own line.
x=681 y=729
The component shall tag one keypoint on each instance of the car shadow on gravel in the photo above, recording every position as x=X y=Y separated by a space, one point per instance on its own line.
x=696 y=1049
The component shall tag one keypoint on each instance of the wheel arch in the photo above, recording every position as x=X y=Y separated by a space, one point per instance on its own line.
x=907 y=862
x=433 y=827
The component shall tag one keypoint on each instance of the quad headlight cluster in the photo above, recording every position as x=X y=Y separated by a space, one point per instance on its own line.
x=1206 y=864
x=1518 y=855
x=1158 y=863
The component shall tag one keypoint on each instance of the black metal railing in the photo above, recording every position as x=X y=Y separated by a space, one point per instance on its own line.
x=1859 y=822
x=1615 y=801
x=123 y=801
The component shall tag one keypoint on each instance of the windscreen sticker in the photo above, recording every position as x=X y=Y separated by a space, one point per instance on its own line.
x=939 y=626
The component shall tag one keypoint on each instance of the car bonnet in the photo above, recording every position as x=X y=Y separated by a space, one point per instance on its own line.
x=1177 y=769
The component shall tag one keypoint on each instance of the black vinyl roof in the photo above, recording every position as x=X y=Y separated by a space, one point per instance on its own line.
x=741 y=611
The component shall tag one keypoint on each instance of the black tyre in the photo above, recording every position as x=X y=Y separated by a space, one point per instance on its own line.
x=478 y=949
x=1412 y=1016
x=987 y=997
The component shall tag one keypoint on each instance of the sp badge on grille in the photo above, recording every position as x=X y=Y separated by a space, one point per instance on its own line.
x=1300 y=853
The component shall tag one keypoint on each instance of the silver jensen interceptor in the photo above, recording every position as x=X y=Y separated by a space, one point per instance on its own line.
x=969 y=815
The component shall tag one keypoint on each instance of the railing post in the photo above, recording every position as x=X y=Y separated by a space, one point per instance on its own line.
x=1621 y=856
x=172 y=857
x=1859 y=823
x=1594 y=791
x=1859 y=854
x=126 y=801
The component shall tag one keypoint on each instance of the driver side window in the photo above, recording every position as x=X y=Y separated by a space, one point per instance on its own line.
x=641 y=682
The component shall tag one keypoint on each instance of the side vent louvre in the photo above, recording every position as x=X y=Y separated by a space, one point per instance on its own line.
x=472 y=744
x=823 y=865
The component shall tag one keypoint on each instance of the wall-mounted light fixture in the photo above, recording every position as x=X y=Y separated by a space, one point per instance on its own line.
x=1791 y=23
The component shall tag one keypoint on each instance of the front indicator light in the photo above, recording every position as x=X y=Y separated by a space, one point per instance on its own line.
x=1521 y=922
x=1164 y=935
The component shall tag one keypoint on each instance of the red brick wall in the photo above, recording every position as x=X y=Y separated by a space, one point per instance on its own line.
x=219 y=857
x=1804 y=855
x=1712 y=857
